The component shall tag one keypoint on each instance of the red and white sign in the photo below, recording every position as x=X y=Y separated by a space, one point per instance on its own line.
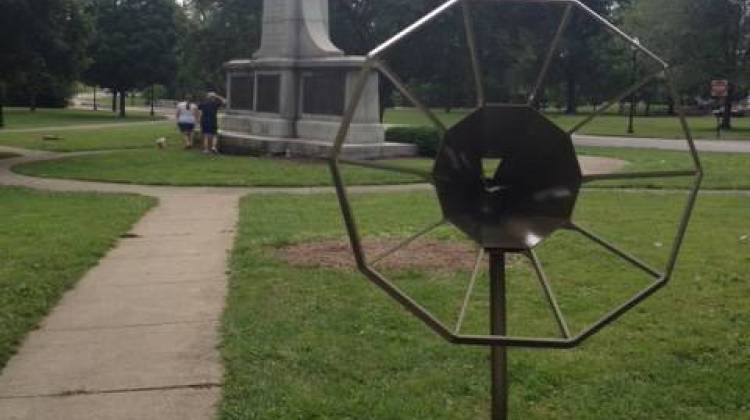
x=719 y=88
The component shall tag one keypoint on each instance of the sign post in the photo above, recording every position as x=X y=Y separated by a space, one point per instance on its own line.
x=719 y=88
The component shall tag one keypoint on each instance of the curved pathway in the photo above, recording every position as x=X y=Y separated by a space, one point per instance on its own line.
x=137 y=337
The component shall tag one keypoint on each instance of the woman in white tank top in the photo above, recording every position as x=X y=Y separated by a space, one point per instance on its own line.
x=186 y=117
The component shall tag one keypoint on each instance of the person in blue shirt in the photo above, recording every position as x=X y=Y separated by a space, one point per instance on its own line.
x=209 y=110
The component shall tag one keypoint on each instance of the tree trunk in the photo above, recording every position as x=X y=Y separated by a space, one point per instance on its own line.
x=114 y=100
x=648 y=108
x=571 y=107
x=32 y=102
x=123 y=93
x=670 y=106
x=2 y=102
x=726 y=120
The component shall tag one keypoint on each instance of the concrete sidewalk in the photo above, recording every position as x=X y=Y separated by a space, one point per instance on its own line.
x=136 y=339
x=722 y=146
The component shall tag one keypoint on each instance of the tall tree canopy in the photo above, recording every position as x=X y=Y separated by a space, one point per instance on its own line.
x=702 y=39
x=44 y=48
x=134 y=44
x=221 y=30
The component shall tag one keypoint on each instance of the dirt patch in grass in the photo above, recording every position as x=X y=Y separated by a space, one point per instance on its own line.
x=4 y=155
x=591 y=165
x=422 y=254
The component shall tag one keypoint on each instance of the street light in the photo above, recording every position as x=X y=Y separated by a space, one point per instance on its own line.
x=633 y=79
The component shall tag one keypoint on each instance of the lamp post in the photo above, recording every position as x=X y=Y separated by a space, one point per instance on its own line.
x=152 y=100
x=633 y=76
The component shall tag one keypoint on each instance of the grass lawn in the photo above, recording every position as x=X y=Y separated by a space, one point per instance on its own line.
x=605 y=125
x=17 y=118
x=138 y=136
x=308 y=343
x=47 y=242
x=176 y=167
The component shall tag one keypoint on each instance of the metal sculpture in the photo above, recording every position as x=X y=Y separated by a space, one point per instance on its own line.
x=531 y=194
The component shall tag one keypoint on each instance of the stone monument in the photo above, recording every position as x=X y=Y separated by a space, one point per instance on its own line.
x=289 y=98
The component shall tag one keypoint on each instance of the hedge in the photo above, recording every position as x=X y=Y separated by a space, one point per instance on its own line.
x=427 y=139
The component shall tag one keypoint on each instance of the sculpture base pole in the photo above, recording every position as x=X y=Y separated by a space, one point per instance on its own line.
x=498 y=355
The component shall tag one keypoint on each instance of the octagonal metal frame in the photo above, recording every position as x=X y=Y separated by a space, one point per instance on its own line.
x=567 y=340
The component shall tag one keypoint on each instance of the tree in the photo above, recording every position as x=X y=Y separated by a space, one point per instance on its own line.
x=134 y=45
x=43 y=48
x=11 y=21
x=218 y=31
x=702 y=40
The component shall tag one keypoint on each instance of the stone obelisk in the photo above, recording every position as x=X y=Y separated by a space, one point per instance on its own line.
x=289 y=98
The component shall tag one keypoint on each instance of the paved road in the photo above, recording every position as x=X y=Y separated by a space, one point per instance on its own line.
x=726 y=146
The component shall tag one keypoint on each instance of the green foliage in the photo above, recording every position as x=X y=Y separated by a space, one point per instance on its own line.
x=134 y=44
x=713 y=43
x=47 y=242
x=426 y=138
x=44 y=49
x=218 y=31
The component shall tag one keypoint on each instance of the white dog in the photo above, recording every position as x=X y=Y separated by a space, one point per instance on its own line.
x=161 y=143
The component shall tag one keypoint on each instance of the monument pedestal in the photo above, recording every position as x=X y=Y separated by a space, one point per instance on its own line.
x=290 y=98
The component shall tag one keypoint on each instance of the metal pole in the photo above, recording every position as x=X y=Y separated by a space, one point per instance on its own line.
x=498 y=355
x=152 y=100
x=632 y=96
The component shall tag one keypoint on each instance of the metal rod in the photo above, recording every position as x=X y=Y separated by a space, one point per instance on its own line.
x=351 y=109
x=617 y=31
x=346 y=211
x=551 y=53
x=427 y=176
x=498 y=324
x=617 y=251
x=619 y=98
x=469 y=291
x=549 y=294
x=682 y=229
x=411 y=28
x=475 y=66
x=404 y=91
x=635 y=175
x=683 y=120
x=407 y=241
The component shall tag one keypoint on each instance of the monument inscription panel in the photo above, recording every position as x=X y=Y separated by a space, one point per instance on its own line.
x=268 y=93
x=324 y=92
x=242 y=92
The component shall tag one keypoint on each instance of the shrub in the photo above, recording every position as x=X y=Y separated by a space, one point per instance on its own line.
x=427 y=139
